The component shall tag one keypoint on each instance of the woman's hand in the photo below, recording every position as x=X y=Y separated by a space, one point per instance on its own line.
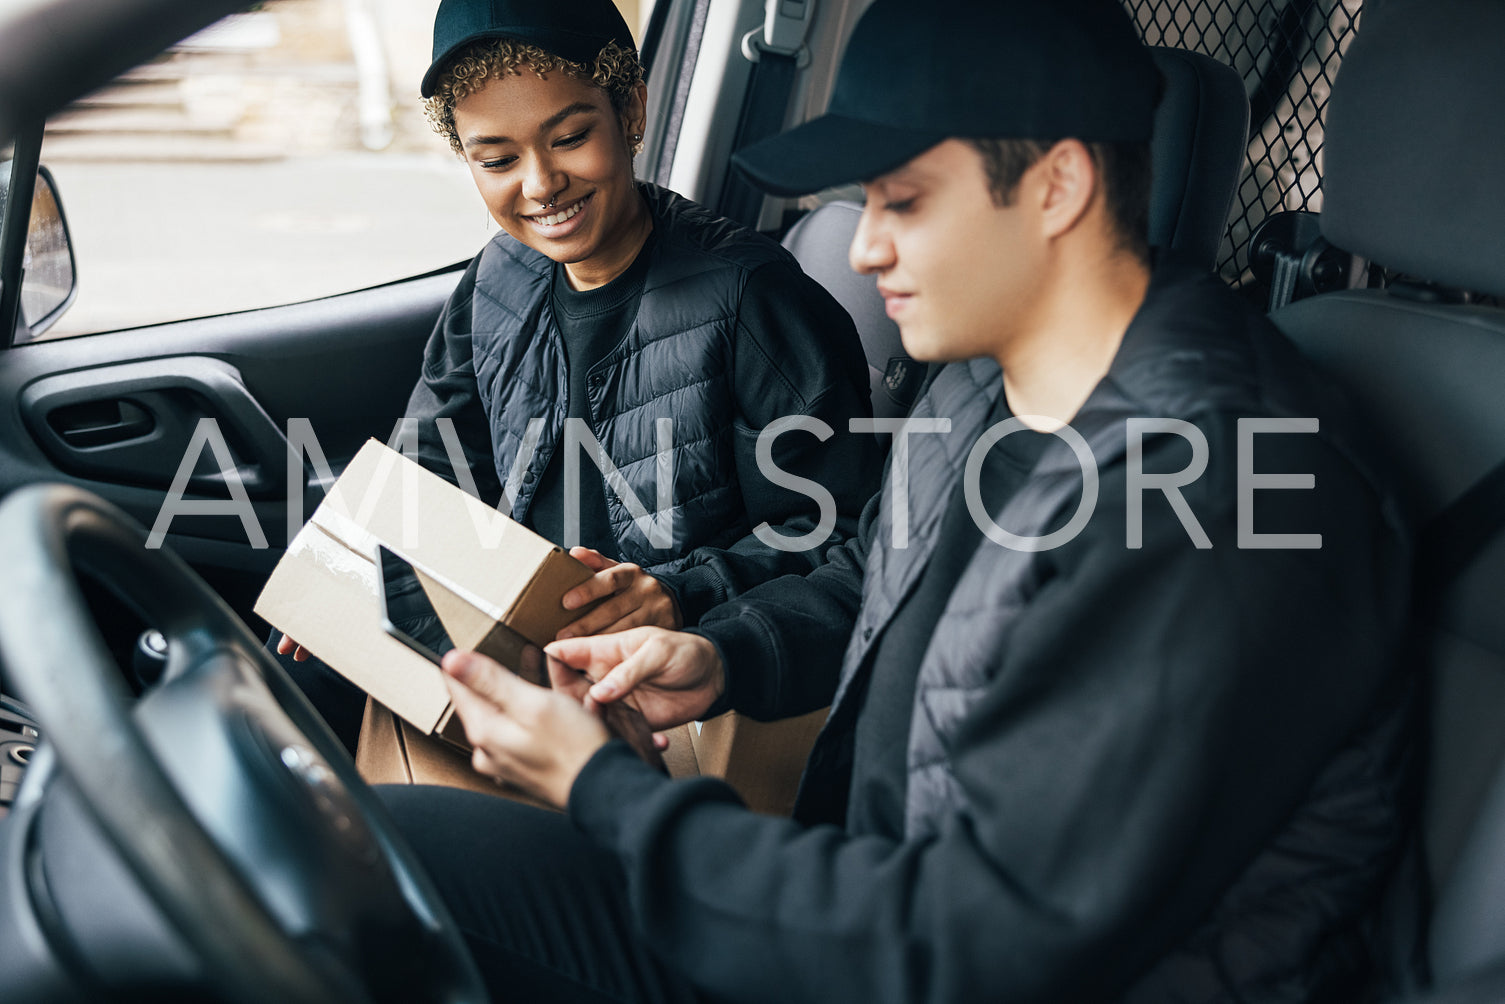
x=533 y=737
x=633 y=598
x=672 y=677
x=286 y=645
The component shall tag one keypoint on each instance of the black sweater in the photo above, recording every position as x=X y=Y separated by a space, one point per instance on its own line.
x=1084 y=866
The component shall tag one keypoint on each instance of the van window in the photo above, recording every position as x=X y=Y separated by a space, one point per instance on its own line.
x=1288 y=53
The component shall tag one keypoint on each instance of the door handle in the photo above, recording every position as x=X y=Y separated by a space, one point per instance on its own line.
x=131 y=424
x=101 y=423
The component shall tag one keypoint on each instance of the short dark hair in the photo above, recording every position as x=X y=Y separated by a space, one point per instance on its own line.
x=616 y=71
x=1124 y=168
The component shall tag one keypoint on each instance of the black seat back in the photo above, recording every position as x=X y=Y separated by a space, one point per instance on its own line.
x=1415 y=157
x=1201 y=127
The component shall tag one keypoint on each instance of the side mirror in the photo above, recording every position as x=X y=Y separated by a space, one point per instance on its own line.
x=49 y=281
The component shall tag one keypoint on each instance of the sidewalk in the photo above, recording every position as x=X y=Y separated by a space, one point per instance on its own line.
x=231 y=175
x=158 y=242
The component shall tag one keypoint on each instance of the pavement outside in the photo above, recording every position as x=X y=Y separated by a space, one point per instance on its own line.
x=162 y=242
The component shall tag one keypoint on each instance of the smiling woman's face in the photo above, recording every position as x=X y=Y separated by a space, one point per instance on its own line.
x=553 y=162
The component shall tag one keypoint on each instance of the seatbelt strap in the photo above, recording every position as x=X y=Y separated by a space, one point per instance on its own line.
x=1451 y=540
x=777 y=50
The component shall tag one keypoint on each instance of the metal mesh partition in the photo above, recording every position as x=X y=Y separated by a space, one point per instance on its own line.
x=1288 y=53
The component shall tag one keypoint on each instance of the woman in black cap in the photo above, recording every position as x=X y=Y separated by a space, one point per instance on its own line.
x=619 y=319
x=606 y=306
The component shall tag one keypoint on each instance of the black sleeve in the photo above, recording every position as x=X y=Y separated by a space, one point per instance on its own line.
x=447 y=390
x=781 y=643
x=797 y=353
x=1155 y=718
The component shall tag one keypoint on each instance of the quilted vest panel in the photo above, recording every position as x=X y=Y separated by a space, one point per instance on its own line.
x=676 y=363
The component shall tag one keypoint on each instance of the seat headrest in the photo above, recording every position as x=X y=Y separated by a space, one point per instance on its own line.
x=1201 y=131
x=820 y=241
x=1415 y=143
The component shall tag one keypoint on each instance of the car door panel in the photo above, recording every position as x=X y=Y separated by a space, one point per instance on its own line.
x=133 y=423
x=115 y=413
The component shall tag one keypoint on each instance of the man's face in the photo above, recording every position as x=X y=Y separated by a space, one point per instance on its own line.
x=956 y=270
x=530 y=141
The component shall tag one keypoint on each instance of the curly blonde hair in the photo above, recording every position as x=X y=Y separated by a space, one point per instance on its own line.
x=616 y=71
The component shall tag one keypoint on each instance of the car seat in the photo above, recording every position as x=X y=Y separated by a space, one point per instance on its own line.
x=1201 y=129
x=1415 y=155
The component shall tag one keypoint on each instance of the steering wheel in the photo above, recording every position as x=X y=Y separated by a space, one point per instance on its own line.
x=226 y=797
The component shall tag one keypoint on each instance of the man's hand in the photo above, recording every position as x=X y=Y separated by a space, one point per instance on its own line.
x=286 y=645
x=635 y=598
x=673 y=677
x=529 y=736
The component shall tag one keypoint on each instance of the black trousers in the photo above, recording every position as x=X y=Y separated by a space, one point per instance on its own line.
x=543 y=909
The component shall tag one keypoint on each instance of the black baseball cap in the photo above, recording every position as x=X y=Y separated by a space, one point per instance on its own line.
x=574 y=29
x=915 y=74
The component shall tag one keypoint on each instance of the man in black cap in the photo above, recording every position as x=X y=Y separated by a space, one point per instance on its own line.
x=1115 y=708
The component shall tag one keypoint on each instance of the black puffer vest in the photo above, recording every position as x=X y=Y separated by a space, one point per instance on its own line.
x=675 y=363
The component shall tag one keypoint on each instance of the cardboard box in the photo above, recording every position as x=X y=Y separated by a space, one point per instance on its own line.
x=762 y=760
x=393 y=752
x=498 y=586
x=495 y=584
